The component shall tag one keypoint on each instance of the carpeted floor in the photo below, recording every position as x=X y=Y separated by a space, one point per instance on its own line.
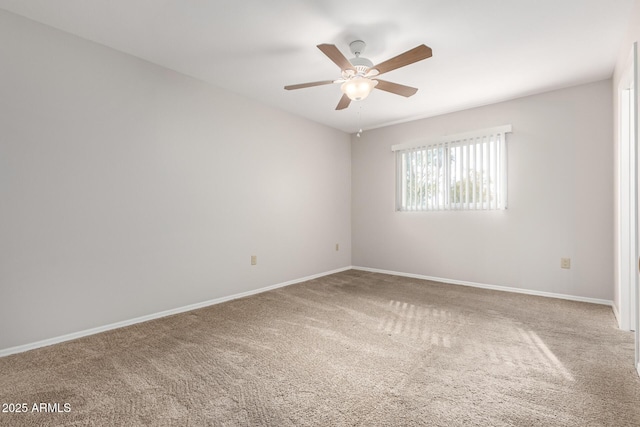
x=350 y=349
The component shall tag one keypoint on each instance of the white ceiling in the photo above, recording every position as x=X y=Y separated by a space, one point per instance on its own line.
x=483 y=50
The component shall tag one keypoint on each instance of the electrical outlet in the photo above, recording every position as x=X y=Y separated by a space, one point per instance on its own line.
x=254 y=260
x=337 y=247
x=565 y=263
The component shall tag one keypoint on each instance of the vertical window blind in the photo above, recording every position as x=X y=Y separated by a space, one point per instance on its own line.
x=457 y=172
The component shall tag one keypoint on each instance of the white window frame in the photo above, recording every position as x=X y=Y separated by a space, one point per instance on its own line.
x=470 y=147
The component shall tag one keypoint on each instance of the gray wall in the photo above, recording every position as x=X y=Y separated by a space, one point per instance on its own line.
x=560 y=199
x=127 y=189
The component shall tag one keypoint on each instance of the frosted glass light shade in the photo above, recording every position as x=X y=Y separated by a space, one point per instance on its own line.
x=358 y=88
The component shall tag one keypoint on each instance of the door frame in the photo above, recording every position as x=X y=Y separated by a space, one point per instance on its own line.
x=628 y=260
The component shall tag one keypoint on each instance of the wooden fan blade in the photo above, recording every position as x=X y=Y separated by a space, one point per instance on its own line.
x=409 y=57
x=344 y=102
x=336 y=56
x=396 y=88
x=303 y=85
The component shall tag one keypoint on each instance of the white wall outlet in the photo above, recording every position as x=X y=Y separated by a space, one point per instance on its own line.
x=254 y=259
x=337 y=247
x=565 y=263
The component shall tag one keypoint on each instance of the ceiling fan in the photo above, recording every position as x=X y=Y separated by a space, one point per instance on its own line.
x=359 y=75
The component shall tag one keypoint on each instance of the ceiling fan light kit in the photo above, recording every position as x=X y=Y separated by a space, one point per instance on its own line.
x=359 y=74
x=358 y=88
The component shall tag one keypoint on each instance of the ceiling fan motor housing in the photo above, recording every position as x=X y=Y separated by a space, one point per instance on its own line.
x=360 y=64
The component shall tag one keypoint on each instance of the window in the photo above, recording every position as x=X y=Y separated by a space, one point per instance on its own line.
x=458 y=172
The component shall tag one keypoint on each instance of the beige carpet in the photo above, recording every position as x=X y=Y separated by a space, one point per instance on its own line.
x=350 y=349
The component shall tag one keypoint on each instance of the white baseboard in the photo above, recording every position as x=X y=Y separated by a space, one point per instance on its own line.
x=492 y=287
x=616 y=313
x=92 y=331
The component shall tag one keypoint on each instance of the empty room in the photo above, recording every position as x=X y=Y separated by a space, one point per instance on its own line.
x=319 y=213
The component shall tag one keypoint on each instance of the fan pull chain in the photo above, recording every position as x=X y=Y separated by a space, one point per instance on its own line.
x=359 y=123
